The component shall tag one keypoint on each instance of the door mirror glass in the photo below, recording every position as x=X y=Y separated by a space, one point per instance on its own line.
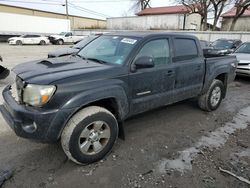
x=144 y=62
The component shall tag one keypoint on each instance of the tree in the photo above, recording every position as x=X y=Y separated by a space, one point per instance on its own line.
x=144 y=4
x=239 y=8
x=199 y=7
x=217 y=8
x=140 y=5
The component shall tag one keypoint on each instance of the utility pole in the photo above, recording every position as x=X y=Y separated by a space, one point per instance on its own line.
x=67 y=10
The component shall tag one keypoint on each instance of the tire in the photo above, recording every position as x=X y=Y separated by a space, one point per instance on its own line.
x=212 y=98
x=42 y=42
x=60 y=42
x=19 y=42
x=85 y=130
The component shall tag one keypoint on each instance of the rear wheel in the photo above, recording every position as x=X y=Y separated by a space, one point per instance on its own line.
x=212 y=98
x=19 y=42
x=89 y=135
x=42 y=42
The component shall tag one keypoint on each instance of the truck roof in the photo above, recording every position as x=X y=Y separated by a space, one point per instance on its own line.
x=148 y=34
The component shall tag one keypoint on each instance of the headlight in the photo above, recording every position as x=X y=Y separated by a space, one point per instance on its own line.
x=38 y=95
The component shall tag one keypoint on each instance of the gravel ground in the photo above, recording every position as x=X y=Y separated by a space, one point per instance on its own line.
x=175 y=146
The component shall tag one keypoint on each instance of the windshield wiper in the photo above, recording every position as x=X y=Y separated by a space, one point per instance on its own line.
x=97 y=60
x=82 y=57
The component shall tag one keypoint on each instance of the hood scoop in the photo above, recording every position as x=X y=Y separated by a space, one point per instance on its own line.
x=53 y=63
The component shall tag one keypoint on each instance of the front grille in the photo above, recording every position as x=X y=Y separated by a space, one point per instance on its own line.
x=243 y=64
x=19 y=85
x=14 y=93
x=239 y=68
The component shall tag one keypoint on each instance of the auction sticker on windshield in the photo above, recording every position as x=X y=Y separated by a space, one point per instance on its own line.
x=128 y=41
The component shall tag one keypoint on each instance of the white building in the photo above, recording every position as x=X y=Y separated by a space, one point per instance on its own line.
x=158 y=18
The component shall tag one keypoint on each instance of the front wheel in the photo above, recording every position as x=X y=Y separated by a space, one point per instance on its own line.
x=19 y=42
x=89 y=135
x=212 y=98
x=60 y=42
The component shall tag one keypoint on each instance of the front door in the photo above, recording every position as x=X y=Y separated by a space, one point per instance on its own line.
x=152 y=87
x=68 y=38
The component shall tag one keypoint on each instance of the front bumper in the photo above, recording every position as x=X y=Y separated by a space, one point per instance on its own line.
x=12 y=42
x=33 y=123
x=243 y=70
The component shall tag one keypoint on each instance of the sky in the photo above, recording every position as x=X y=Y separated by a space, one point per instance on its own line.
x=89 y=8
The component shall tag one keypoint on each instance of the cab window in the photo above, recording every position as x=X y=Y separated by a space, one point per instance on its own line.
x=185 y=49
x=158 y=49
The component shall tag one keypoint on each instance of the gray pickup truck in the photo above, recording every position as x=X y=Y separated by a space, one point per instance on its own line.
x=84 y=99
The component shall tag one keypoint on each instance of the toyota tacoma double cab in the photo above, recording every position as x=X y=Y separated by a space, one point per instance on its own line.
x=82 y=100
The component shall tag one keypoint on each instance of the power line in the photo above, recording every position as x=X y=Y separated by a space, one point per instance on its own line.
x=18 y=1
x=102 y=1
x=58 y=3
x=87 y=10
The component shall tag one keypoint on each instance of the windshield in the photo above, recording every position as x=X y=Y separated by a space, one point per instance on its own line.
x=110 y=49
x=62 y=33
x=84 y=42
x=222 y=44
x=244 y=48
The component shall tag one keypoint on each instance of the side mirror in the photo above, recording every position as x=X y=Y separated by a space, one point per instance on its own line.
x=144 y=62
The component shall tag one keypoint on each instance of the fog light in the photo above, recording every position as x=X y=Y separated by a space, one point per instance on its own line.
x=30 y=128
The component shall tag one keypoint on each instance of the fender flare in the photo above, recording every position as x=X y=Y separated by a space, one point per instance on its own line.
x=83 y=99
x=219 y=71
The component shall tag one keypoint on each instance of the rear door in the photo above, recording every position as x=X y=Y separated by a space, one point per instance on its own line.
x=152 y=87
x=189 y=68
x=27 y=39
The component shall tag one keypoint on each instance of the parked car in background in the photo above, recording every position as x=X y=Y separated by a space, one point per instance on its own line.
x=83 y=100
x=224 y=46
x=29 y=39
x=4 y=72
x=73 y=49
x=65 y=37
x=243 y=56
x=204 y=44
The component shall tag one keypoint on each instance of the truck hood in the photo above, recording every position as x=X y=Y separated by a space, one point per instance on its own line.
x=51 y=70
x=57 y=36
x=242 y=57
x=63 y=51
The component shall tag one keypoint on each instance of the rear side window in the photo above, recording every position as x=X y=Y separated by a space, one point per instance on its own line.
x=185 y=49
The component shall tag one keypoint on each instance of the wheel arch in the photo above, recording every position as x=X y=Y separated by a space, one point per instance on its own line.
x=109 y=103
x=112 y=98
x=223 y=77
x=220 y=74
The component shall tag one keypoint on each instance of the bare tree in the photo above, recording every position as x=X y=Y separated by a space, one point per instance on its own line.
x=144 y=4
x=139 y=5
x=240 y=7
x=199 y=7
x=217 y=8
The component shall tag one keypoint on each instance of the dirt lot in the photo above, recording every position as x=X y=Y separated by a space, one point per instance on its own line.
x=175 y=146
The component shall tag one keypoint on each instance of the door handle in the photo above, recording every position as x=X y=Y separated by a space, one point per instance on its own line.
x=170 y=73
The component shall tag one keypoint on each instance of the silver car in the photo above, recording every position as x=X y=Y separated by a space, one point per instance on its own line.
x=243 y=56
